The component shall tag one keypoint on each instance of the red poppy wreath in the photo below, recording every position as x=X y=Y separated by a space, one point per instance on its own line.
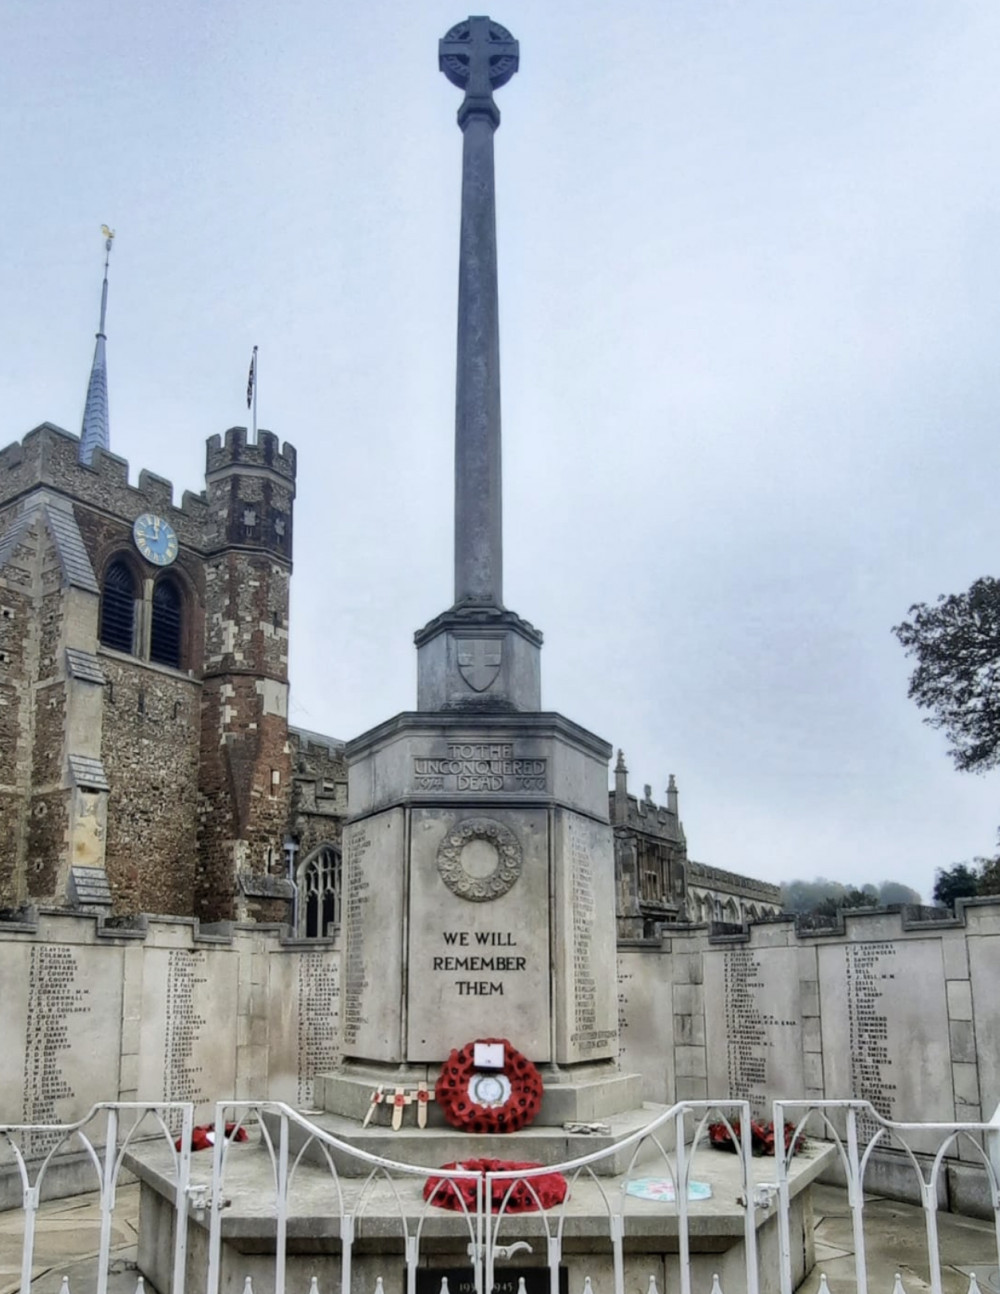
x=492 y=1100
x=523 y=1195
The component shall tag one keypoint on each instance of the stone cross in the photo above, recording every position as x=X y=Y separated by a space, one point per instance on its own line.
x=478 y=56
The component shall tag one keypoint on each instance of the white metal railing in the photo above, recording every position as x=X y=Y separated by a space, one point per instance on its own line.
x=668 y=1136
x=668 y=1146
x=104 y=1135
x=841 y=1122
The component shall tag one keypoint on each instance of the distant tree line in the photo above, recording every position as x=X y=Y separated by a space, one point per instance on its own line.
x=821 y=897
x=966 y=880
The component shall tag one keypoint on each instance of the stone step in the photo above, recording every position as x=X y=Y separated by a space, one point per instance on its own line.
x=594 y=1097
x=433 y=1147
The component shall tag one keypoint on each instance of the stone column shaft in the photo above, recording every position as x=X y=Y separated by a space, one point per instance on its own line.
x=478 y=502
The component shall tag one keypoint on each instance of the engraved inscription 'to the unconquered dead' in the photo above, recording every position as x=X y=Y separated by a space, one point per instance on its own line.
x=474 y=875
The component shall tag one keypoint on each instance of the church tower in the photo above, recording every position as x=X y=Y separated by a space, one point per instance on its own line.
x=245 y=779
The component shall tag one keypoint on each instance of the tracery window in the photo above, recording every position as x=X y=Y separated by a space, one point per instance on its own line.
x=118 y=608
x=320 y=892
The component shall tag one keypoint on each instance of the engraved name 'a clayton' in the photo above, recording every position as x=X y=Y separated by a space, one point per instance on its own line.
x=480 y=766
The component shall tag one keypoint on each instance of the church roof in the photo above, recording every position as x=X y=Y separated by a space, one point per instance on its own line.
x=70 y=548
x=66 y=539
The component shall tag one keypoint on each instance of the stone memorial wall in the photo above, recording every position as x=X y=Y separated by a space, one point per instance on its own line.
x=899 y=1013
x=646 y=1027
x=754 y=1029
x=56 y=1001
x=303 y=1025
x=902 y=1014
x=168 y=1013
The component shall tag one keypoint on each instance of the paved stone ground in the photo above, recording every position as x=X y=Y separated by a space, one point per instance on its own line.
x=895 y=1242
x=67 y=1240
x=67 y=1237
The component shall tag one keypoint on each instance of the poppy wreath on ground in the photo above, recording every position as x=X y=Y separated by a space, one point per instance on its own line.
x=761 y=1137
x=525 y=1196
x=203 y=1136
x=503 y=1100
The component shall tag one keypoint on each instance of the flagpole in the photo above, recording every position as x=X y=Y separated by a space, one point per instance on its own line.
x=255 y=385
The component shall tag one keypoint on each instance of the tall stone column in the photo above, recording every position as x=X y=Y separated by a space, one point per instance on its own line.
x=478 y=55
x=478 y=655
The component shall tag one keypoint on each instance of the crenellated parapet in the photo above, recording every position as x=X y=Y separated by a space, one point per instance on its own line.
x=234 y=451
x=49 y=456
x=716 y=878
x=251 y=490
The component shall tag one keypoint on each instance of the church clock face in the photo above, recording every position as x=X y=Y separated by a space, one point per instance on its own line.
x=155 y=539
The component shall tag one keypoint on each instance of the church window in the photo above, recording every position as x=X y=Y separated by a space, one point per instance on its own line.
x=118 y=608
x=165 y=636
x=320 y=892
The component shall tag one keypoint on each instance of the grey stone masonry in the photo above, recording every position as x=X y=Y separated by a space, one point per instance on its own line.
x=477 y=655
x=478 y=55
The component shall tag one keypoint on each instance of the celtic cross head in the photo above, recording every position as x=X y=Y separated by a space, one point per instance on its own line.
x=478 y=56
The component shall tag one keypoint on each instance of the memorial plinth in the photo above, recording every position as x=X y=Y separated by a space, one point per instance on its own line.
x=479 y=900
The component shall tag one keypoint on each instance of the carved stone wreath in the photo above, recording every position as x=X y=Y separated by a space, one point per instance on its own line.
x=479 y=889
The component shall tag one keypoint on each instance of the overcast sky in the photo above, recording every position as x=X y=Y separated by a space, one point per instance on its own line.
x=750 y=311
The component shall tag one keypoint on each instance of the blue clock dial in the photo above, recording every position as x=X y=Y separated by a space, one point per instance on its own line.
x=155 y=539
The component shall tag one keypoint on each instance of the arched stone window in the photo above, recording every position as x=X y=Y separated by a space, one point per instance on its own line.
x=118 y=608
x=165 y=632
x=320 y=890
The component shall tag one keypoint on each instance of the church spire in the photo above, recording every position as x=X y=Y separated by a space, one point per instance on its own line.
x=94 y=434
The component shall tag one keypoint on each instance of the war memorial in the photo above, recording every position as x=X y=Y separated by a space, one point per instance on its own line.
x=477 y=938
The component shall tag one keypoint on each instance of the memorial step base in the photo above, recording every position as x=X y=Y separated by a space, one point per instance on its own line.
x=593 y=1095
x=314 y=1226
x=433 y=1147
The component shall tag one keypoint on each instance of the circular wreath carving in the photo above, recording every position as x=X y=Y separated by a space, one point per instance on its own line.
x=518 y=1094
x=466 y=884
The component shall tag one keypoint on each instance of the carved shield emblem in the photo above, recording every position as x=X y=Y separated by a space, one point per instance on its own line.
x=479 y=661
